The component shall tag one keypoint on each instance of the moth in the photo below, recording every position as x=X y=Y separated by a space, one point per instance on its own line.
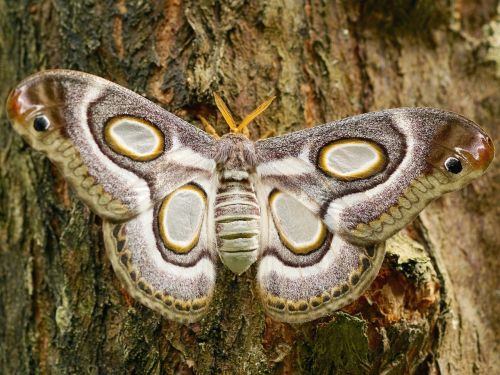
x=312 y=208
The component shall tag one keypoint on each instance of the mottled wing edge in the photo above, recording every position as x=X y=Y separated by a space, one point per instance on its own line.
x=172 y=309
x=334 y=304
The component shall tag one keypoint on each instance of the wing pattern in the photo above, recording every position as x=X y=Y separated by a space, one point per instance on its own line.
x=312 y=207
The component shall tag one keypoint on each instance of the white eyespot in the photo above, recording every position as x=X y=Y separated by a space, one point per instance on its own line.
x=299 y=229
x=134 y=138
x=180 y=218
x=351 y=159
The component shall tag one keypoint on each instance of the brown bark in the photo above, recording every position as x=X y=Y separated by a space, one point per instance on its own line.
x=434 y=306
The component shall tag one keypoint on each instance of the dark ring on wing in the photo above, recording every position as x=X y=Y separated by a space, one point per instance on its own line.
x=300 y=260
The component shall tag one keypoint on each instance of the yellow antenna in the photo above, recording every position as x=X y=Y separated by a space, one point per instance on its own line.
x=257 y=111
x=209 y=128
x=226 y=113
x=242 y=127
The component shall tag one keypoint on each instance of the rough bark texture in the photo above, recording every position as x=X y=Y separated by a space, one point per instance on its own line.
x=433 y=309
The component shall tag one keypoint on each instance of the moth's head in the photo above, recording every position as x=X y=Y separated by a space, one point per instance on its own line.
x=235 y=151
x=459 y=149
x=33 y=110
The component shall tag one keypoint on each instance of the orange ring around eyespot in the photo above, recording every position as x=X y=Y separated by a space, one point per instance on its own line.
x=374 y=168
x=302 y=250
x=164 y=236
x=120 y=149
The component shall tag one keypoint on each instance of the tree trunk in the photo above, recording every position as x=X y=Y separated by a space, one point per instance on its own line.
x=434 y=307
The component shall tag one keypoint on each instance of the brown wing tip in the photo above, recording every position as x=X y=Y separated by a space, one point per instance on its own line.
x=480 y=153
x=485 y=153
x=14 y=104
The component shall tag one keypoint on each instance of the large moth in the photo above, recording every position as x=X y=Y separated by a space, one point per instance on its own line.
x=312 y=208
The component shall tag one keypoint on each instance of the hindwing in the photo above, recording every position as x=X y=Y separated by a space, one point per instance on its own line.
x=306 y=270
x=165 y=255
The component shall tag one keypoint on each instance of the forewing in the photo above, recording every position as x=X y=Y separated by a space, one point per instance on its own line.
x=368 y=176
x=120 y=152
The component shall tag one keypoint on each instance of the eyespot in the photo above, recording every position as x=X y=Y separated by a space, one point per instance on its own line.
x=41 y=123
x=453 y=165
x=351 y=159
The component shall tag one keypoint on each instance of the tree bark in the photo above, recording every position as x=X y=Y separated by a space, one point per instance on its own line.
x=434 y=307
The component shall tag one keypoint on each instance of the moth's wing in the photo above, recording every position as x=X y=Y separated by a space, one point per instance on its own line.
x=339 y=190
x=120 y=152
x=368 y=176
x=305 y=270
x=165 y=256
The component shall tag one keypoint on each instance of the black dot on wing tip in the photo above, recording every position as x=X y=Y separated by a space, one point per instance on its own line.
x=41 y=123
x=453 y=165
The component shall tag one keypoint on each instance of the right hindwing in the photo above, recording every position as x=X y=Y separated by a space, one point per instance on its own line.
x=305 y=270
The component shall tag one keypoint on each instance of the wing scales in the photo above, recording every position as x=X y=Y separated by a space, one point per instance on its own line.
x=175 y=281
x=298 y=283
x=328 y=196
x=94 y=134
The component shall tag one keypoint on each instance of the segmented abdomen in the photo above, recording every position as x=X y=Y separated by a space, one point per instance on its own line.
x=237 y=219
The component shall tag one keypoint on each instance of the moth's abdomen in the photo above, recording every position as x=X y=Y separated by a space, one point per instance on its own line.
x=237 y=221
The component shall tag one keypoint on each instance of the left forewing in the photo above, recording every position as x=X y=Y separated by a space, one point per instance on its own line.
x=121 y=152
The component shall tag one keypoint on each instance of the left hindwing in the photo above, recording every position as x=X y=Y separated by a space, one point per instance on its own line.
x=165 y=255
